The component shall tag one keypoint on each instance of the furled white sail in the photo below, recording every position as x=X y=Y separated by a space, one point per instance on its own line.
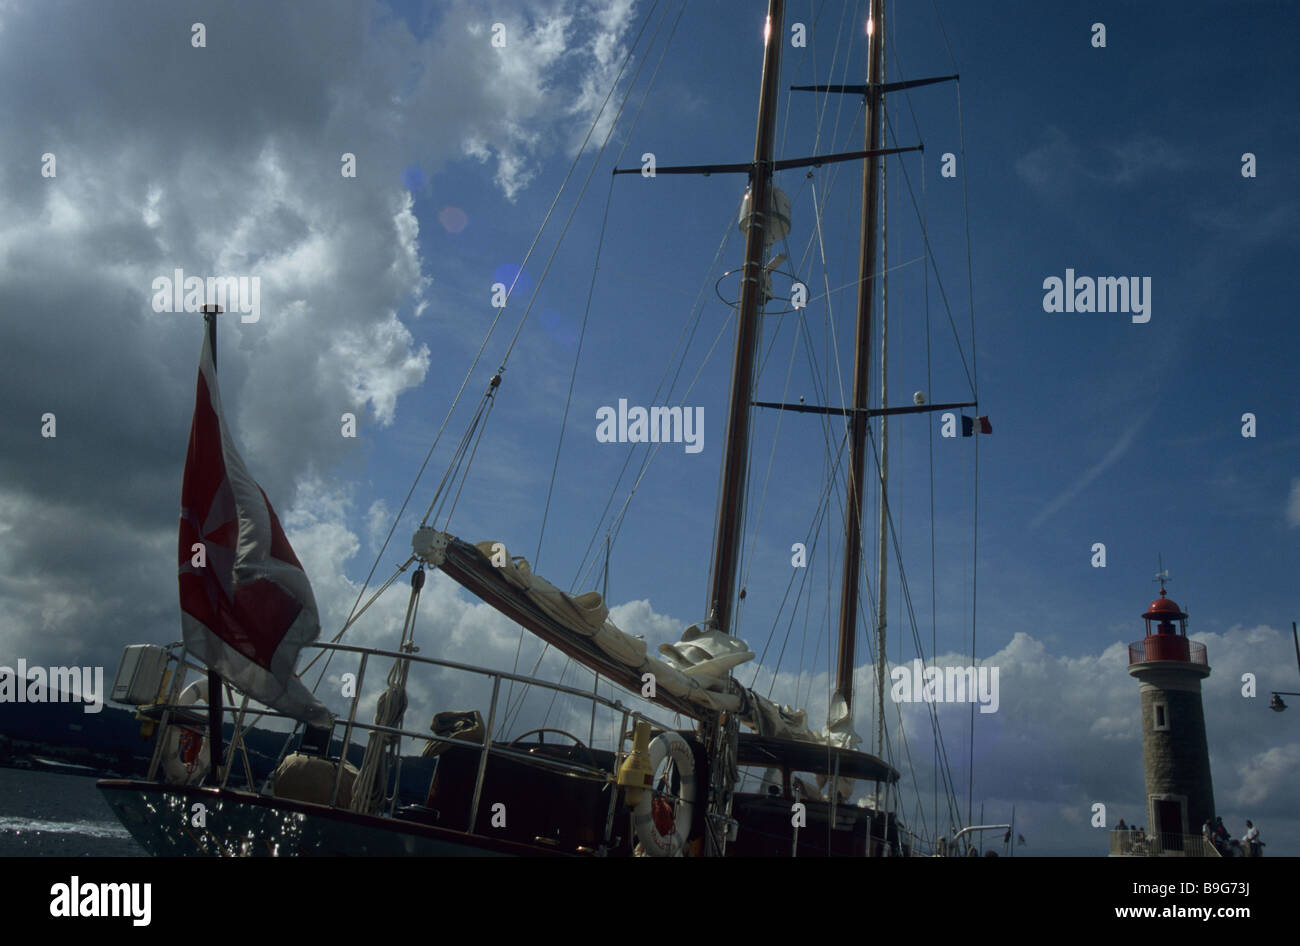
x=697 y=668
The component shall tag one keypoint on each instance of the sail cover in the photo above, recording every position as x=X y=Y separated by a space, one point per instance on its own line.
x=246 y=605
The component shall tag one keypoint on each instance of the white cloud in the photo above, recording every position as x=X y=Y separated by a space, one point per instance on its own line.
x=1293 y=504
x=1268 y=775
x=227 y=161
x=1058 y=163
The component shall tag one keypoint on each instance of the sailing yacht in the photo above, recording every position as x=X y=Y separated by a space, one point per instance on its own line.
x=733 y=773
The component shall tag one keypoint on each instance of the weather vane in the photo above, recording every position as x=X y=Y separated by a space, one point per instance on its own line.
x=1162 y=575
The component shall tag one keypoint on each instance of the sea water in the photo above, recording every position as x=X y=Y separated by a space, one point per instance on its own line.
x=51 y=814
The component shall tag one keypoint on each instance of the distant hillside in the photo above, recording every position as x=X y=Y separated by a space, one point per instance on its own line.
x=111 y=739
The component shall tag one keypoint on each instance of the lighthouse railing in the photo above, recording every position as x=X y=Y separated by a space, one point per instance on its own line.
x=1167 y=647
x=1126 y=842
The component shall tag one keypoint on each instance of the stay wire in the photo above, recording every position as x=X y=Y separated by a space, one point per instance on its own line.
x=600 y=245
x=352 y=614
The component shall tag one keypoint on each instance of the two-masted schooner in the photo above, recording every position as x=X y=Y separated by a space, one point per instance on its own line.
x=655 y=789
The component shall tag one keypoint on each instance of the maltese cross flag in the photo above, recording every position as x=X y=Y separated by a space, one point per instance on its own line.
x=246 y=604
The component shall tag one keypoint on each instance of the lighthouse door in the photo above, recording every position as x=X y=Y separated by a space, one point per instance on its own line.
x=1169 y=821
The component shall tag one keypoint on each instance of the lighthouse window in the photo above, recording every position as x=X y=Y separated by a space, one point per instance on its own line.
x=1162 y=717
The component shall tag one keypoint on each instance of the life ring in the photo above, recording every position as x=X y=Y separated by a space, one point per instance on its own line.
x=670 y=843
x=185 y=752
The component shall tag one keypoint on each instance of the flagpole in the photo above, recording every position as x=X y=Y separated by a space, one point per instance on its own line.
x=210 y=313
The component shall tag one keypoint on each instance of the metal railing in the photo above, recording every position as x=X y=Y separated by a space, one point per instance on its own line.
x=1125 y=842
x=486 y=746
x=1167 y=647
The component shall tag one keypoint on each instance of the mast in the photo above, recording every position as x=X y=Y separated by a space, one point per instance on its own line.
x=721 y=735
x=210 y=313
x=882 y=560
x=861 y=372
x=726 y=545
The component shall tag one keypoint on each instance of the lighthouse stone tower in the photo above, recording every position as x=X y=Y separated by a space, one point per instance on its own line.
x=1180 y=795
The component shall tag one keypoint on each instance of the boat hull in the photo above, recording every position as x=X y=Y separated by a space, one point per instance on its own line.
x=162 y=818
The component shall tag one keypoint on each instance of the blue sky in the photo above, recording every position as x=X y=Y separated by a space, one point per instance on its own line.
x=1117 y=161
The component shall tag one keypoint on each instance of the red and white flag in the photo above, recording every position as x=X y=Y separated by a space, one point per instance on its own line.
x=248 y=609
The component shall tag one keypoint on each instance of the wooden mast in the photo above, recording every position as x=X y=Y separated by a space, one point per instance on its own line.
x=726 y=546
x=722 y=735
x=861 y=371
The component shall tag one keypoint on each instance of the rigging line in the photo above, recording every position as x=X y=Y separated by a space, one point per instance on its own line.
x=944 y=33
x=929 y=430
x=886 y=750
x=353 y=614
x=803 y=580
x=617 y=526
x=698 y=310
x=767 y=479
x=620 y=518
x=812 y=236
x=290 y=733
x=950 y=794
x=573 y=377
x=881 y=272
x=573 y=165
x=907 y=597
x=830 y=320
x=577 y=203
x=807 y=616
x=848 y=58
x=487 y=337
x=785 y=125
x=746 y=508
x=469 y=463
x=832 y=458
x=335 y=639
x=546 y=717
x=882 y=559
x=830 y=466
x=649 y=458
x=803 y=639
x=329 y=654
x=970 y=276
x=820 y=392
x=950 y=787
x=818 y=519
x=938 y=280
x=834 y=172
x=974 y=587
x=600 y=245
x=970 y=288
x=512 y=712
x=929 y=382
x=564 y=230
x=457 y=458
x=973 y=374
x=635 y=119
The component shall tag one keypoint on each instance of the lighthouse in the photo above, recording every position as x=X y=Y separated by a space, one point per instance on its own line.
x=1180 y=795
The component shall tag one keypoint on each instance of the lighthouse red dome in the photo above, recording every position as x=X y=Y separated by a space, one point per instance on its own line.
x=1164 y=609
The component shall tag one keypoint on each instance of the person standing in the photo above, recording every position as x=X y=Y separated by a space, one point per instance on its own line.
x=1251 y=837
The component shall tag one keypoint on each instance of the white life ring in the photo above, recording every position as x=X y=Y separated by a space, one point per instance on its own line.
x=185 y=752
x=670 y=845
